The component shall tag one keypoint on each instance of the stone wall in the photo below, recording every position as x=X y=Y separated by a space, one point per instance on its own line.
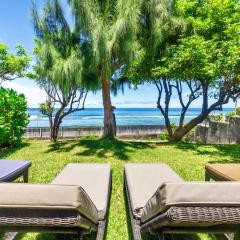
x=218 y=132
x=75 y=132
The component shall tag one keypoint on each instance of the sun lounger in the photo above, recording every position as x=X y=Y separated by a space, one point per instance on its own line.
x=222 y=171
x=160 y=202
x=75 y=202
x=11 y=170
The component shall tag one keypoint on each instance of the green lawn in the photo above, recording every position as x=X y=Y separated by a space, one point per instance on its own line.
x=187 y=160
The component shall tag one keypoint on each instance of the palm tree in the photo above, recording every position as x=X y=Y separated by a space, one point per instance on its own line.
x=111 y=28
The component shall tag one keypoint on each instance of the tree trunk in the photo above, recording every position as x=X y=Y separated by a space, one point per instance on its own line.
x=51 y=126
x=56 y=123
x=109 y=123
x=55 y=133
x=168 y=125
x=180 y=132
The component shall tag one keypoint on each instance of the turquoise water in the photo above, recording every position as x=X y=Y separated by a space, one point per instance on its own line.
x=124 y=116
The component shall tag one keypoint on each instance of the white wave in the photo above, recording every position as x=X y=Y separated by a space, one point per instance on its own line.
x=37 y=118
x=171 y=116
x=96 y=117
x=33 y=117
x=40 y=118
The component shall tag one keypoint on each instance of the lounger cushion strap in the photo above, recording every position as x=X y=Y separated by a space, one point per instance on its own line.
x=41 y=196
x=218 y=194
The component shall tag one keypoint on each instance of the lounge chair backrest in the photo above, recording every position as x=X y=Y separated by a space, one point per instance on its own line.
x=192 y=194
x=95 y=179
x=143 y=181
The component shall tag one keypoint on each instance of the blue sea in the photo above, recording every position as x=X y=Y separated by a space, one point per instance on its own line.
x=124 y=116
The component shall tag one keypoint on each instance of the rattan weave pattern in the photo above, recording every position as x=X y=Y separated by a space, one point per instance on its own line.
x=226 y=215
x=38 y=218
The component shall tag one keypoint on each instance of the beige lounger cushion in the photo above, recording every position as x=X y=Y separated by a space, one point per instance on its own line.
x=143 y=181
x=94 y=178
x=36 y=196
x=224 y=172
x=192 y=194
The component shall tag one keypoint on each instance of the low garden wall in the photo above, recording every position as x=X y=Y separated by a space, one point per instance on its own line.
x=75 y=132
x=218 y=132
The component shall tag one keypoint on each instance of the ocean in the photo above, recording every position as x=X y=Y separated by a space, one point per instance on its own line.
x=124 y=116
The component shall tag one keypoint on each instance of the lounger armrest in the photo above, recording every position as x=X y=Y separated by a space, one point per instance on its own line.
x=218 y=194
x=42 y=196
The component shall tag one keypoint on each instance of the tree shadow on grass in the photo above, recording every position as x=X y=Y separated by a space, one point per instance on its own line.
x=4 y=153
x=229 y=153
x=101 y=147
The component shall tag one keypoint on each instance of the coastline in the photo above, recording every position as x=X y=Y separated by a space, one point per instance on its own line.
x=137 y=131
x=124 y=117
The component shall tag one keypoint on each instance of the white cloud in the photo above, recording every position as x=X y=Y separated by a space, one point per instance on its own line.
x=134 y=104
x=133 y=99
x=33 y=93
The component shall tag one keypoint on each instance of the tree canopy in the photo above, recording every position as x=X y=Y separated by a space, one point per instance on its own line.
x=201 y=59
x=13 y=66
x=60 y=69
x=110 y=28
x=211 y=51
x=115 y=31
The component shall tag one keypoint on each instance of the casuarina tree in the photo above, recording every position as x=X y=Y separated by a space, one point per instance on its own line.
x=111 y=29
x=60 y=67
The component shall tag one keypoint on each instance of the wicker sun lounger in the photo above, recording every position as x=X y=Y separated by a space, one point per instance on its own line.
x=222 y=171
x=160 y=203
x=75 y=202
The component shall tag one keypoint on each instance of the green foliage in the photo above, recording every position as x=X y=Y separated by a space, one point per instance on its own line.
x=211 y=51
x=232 y=114
x=13 y=117
x=237 y=111
x=207 y=48
x=221 y=117
x=61 y=54
x=111 y=28
x=160 y=27
x=60 y=68
x=200 y=53
x=46 y=108
x=229 y=116
x=164 y=136
x=216 y=117
x=13 y=65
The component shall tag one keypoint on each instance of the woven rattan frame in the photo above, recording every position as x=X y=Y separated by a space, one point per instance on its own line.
x=205 y=215
x=42 y=218
x=187 y=220
x=57 y=221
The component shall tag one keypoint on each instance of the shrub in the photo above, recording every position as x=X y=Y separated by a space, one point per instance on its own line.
x=237 y=111
x=229 y=116
x=164 y=136
x=216 y=117
x=13 y=117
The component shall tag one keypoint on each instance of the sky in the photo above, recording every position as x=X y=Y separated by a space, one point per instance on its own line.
x=16 y=28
